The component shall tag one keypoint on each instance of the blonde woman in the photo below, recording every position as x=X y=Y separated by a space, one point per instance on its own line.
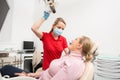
x=70 y=67
x=53 y=42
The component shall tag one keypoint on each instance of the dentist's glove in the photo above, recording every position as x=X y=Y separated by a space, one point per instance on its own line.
x=47 y=11
x=46 y=15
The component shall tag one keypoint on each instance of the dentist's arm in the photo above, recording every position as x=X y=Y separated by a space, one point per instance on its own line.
x=36 y=26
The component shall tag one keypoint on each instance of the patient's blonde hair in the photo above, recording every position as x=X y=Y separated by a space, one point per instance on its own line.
x=87 y=46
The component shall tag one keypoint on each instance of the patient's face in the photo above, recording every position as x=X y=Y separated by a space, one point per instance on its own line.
x=75 y=44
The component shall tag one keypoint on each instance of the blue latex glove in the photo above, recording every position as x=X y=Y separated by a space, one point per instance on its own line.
x=46 y=15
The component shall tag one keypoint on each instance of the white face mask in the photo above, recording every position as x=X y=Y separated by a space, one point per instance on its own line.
x=57 y=31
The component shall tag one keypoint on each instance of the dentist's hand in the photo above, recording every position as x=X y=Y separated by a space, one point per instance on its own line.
x=46 y=15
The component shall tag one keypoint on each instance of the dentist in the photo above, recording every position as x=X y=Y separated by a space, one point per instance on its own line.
x=53 y=42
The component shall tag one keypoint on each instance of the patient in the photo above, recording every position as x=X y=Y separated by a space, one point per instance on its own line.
x=68 y=67
x=80 y=52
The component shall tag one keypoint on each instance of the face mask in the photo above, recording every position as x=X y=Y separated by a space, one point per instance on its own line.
x=57 y=31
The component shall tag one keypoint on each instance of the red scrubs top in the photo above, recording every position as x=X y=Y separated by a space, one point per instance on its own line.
x=52 y=48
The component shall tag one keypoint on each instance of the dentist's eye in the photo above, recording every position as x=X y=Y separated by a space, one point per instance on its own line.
x=60 y=28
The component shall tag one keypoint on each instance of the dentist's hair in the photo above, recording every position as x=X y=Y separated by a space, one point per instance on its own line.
x=56 y=22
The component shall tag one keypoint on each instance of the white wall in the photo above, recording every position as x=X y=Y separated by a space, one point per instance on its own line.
x=22 y=21
x=98 y=19
x=17 y=26
x=6 y=31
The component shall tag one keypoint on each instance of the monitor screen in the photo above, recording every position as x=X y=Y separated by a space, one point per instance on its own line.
x=28 y=45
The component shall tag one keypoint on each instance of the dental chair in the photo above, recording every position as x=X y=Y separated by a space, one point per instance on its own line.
x=89 y=71
x=37 y=60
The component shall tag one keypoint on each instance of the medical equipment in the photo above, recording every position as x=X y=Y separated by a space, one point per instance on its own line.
x=51 y=4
